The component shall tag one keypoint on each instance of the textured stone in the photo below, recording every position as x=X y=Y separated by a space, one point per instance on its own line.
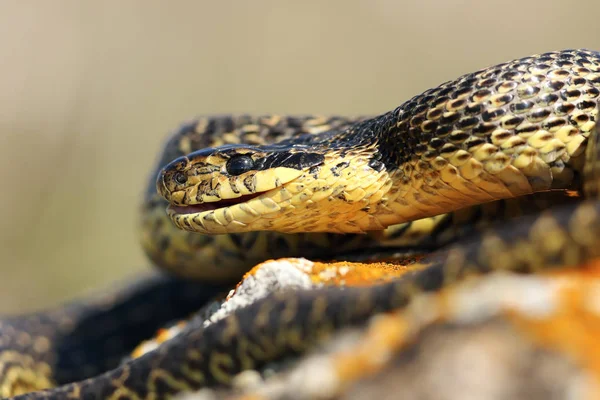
x=501 y=336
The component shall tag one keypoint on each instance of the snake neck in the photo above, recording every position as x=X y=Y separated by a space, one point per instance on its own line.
x=501 y=132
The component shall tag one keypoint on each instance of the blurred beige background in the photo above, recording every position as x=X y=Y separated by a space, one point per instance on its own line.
x=88 y=91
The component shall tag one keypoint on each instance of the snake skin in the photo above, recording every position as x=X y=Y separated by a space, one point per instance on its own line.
x=518 y=128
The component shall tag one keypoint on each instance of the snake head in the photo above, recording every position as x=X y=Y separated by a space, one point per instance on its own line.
x=230 y=172
x=281 y=187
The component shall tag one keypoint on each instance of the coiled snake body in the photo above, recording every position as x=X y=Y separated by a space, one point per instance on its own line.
x=312 y=186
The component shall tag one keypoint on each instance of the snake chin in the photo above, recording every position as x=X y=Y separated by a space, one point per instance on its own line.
x=210 y=206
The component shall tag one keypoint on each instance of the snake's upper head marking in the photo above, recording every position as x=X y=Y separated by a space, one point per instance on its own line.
x=282 y=187
x=230 y=172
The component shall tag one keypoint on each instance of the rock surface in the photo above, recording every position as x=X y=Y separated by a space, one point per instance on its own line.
x=501 y=336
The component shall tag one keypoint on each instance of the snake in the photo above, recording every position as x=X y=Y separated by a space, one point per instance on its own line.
x=230 y=191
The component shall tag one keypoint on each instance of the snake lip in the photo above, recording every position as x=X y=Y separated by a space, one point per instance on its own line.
x=203 y=207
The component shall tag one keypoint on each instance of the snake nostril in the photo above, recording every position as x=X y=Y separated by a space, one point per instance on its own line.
x=180 y=178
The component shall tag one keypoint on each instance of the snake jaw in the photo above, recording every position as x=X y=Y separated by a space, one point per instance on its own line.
x=225 y=216
x=232 y=205
x=210 y=206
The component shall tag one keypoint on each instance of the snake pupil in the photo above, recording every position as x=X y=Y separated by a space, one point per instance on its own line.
x=240 y=164
x=180 y=178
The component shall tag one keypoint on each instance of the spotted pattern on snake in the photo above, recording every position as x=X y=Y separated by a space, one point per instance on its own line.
x=300 y=185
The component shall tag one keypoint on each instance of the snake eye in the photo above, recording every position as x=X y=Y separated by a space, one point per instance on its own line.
x=180 y=178
x=238 y=165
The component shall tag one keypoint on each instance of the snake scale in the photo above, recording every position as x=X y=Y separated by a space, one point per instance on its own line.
x=239 y=190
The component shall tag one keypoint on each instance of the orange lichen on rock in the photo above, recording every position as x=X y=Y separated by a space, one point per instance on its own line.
x=359 y=274
x=161 y=336
x=384 y=337
x=348 y=273
x=573 y=325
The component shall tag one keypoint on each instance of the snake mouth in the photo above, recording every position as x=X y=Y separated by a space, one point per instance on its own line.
x=228 y=214
x=210 y=206
x=224 y=216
